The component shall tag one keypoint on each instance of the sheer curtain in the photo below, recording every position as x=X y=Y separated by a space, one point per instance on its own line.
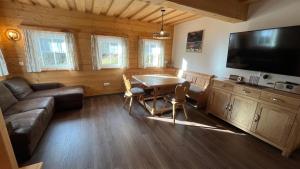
x=72 y=51
x=109 y=52
x=3 y=67
x=34 y=54
x=33 y=61
x=151 y=53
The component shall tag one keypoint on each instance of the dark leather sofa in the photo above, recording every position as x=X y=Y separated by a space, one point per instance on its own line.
x=28 y=109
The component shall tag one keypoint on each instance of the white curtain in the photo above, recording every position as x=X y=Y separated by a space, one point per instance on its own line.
x=100 y=46
x=33 y=62
x=72 y=51
x=3 y=67
x=151 y=53
x=33 y=49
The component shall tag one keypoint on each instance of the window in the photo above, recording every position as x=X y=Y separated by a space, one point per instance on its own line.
x=3 y=68
x=151 y=53
x=109 y=52
x=50 y=51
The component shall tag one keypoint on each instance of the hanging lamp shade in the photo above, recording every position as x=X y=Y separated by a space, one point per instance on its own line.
x=162 y=34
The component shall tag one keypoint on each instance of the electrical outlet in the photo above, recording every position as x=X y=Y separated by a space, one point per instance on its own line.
x=106 y=84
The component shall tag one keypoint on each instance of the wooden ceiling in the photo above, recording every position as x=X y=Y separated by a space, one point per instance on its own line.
x=144 y=11
x=177 y=11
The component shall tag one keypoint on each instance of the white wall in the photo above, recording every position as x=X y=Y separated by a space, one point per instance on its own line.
x=212 y=60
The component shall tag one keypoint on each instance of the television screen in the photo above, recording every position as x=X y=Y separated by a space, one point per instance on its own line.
x=272 y=50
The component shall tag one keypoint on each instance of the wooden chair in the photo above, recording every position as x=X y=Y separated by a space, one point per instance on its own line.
x=132 y=92
x=179 y=99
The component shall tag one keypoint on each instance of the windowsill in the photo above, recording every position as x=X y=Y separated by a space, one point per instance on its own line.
x=58 y=69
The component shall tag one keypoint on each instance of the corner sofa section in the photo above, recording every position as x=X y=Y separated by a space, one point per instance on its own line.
x=28 y=109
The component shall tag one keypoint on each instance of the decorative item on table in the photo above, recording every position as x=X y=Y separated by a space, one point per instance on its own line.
x=253 y=80
x=194 y=41
x=237 y=78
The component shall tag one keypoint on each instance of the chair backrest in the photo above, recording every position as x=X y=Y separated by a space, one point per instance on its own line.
x=127 y=83
x=180 y=93
x=187 y=85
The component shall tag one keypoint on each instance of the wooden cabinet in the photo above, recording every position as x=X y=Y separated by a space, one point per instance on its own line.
x=219 y=103
x=273 y=124
x=267 y=114
x=241 y=112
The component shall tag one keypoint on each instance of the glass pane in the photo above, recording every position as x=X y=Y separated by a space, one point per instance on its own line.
x=48 y=59
x=61 y=58
x=45 y=44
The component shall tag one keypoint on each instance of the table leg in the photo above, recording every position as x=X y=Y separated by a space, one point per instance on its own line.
x=153 y=112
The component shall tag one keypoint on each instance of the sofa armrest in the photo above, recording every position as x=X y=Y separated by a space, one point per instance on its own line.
x=45 y=86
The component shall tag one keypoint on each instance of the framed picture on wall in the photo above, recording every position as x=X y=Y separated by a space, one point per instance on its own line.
x=194 y=41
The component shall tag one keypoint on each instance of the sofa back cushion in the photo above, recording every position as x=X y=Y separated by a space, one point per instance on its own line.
x=7 y=99
x=19 y=87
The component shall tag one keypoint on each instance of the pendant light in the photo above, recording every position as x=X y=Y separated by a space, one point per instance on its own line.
x=162 y=34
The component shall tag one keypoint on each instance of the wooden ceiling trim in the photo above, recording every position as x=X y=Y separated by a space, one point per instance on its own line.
x=126 y=9
x=134 y=16
x=157 y=14
x=80 y=5
x=89 y=5
x=180 y=17
x=109 y=6
x=97 y=7
x=169 y=16
x=71 y=4
x=62 y=4
x=145 y=18
x=29 y=2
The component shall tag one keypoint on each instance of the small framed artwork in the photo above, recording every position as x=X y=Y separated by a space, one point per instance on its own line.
x=194 y=41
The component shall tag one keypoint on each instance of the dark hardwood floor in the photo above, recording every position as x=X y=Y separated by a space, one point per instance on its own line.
x=103 y=135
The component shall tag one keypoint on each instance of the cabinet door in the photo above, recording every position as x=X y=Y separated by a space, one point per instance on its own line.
x=219 y=102
x=242 y=111
x=273 y=124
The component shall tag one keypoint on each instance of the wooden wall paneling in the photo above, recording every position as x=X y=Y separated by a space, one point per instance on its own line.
x=83 y=26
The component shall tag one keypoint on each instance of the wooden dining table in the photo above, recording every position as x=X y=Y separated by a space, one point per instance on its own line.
x=156 y=82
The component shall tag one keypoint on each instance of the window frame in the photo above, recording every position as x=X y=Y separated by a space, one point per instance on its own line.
x=121 y=59
x=162 y=46
x=52 y=35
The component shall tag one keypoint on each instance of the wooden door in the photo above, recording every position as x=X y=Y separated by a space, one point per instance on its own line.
x=273 y=124
x=219 y=102
x=242 y=111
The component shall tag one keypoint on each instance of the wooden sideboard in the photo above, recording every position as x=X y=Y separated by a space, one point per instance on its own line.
x=268 y=114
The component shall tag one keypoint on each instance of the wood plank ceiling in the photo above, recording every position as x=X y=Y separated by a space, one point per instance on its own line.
x=131 y=9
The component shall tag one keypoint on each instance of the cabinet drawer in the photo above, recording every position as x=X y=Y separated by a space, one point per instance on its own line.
x=280 y=100
x=223 y=85
x=247 y=91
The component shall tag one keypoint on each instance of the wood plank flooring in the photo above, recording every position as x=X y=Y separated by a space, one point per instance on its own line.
x=102 y=136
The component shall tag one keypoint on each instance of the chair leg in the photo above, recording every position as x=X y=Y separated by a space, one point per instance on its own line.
x=130 y=104
x=125 y=101
x=174 y=113
x=185 y=112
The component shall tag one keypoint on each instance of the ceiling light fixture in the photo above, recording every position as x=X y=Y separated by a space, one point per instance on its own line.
x=13 y=34
x=162 y=34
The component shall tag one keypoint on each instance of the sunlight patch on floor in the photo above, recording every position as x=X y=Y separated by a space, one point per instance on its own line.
x=194 y=124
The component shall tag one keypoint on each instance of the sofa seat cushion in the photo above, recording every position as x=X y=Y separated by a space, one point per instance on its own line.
x=58 y=92
x=7 y=99
x=31 y=104
x=27 y=129
x=65 y=98
x=195 y=91
x=19 y=87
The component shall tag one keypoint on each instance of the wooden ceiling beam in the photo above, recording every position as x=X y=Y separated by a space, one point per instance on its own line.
x=229 y=10
x=109 y=7
x=139 y=11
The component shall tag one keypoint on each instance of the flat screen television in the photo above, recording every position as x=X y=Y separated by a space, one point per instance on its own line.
x=274 y=50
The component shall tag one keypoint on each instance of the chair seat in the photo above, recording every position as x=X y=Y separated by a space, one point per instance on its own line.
x=171 y=98
x=137 y=90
